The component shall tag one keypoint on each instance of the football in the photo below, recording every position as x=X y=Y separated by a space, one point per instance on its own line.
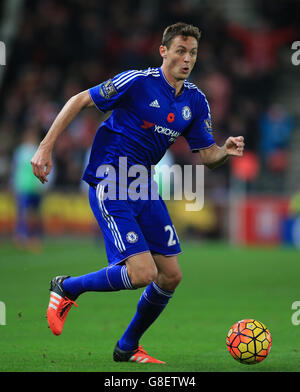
x=249 y=341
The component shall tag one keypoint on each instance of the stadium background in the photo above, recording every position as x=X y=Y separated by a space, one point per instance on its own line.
x=56 y=49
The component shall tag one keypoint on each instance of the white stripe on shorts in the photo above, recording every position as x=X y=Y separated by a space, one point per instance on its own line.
x=110 y=220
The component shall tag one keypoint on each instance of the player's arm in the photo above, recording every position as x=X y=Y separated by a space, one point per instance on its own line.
x=215 y=156
x=42 y=160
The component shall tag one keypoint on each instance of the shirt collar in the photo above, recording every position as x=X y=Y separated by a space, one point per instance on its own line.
x=167 y=84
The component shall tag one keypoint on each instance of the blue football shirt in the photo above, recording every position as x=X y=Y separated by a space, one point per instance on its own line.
x=146 y=120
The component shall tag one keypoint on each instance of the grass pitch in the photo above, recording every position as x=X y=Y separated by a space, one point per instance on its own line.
x=220 y=286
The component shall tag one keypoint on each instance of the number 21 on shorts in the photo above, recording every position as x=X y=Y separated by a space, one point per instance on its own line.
x=172 y=235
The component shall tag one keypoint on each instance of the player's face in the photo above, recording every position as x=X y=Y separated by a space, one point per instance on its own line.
x=180 y=58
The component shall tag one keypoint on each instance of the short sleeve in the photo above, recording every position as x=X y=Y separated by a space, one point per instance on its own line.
x=199 y=134
x=111 y=93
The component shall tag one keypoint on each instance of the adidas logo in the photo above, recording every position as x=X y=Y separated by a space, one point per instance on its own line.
x=155 y=104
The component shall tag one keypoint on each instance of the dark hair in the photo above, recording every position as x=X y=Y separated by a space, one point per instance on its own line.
x=180 y=28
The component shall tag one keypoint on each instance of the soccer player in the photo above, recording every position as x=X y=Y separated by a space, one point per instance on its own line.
x=28 y=195
x=150 y=109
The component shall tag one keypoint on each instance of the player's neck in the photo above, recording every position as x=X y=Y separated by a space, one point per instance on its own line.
x=177 y=84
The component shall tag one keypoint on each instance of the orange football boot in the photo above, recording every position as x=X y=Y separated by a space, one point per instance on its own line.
x=139 y=355
x=59 y=305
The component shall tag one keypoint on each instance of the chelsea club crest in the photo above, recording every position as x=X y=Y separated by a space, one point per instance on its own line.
x=186 y=113
x=132 y=237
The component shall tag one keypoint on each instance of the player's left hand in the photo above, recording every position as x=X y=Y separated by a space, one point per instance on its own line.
x=235 y=145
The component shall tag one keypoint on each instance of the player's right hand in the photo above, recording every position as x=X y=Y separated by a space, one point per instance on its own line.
x=41 y=164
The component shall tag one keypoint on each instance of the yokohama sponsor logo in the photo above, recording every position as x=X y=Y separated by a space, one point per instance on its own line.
x=166 y=131
x=160 y=129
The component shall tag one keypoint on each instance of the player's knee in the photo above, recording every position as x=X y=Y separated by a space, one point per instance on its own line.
x=149 y=276
x=176 y=279
x=143 y=278
x=170 y=281
x=142 y=274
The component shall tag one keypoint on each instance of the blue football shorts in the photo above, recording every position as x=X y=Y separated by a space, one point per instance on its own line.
x=131 y=227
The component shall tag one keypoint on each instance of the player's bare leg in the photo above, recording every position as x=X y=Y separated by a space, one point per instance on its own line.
x=141 y=269
x=169 y=274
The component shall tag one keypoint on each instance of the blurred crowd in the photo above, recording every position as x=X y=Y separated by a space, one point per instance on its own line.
x=64 y=47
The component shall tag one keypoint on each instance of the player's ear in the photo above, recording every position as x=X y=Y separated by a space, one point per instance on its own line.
x=163 y=51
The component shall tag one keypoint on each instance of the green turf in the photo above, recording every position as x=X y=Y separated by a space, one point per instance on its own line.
x=220 y=286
